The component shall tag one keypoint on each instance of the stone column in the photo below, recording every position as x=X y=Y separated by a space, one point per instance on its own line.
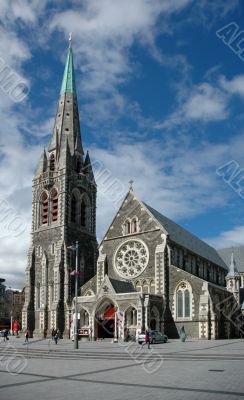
x=92 y=326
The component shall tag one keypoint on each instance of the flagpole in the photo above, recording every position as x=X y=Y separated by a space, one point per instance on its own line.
x=76 y=273
x=76 y=293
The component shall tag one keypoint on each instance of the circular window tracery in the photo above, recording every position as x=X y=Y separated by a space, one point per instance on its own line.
x=131 y=259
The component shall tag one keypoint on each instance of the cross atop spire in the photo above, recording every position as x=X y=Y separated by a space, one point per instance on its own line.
x=70 y=39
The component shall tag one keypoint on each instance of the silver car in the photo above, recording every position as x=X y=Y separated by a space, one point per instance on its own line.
x=155 y=337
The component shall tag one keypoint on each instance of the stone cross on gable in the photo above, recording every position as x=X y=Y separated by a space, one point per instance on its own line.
x=131 y=184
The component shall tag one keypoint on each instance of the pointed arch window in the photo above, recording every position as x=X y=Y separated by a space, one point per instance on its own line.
x=44 y=208
x=83 y=211
x=183 y=301
x=134 y=227
x=127 y=227
x=52 y=163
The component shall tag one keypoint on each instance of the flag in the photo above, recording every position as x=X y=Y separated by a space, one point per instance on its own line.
x=73 y=273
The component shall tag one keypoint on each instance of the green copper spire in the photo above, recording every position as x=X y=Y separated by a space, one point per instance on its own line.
x=68 y=83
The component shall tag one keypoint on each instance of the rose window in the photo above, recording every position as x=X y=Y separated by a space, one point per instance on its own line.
x=131 y=259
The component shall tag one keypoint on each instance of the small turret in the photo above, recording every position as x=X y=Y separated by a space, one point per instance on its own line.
x=42 y=164
x=233 y=279
x=88 y=168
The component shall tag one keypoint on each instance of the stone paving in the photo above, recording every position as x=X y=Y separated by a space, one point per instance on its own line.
x=104 y=370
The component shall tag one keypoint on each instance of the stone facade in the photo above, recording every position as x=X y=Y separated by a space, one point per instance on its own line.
x=151 y=280
x=63 y=212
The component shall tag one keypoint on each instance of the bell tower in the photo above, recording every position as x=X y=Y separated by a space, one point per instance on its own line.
x=63 y=212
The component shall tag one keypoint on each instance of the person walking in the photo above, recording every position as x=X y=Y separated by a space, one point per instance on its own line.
x=26 y=337
x=5 y=335
x=56 y=338
x=147 y=340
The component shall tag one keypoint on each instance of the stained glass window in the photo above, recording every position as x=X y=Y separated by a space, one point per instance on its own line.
x=183 y=300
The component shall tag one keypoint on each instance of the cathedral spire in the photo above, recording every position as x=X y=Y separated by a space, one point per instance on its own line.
x=68 y=83
x=67 y=124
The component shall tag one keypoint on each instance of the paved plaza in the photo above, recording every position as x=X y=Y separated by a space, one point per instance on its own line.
x=104 y=370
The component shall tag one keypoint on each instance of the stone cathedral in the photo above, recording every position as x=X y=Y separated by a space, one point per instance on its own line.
x=148 y=272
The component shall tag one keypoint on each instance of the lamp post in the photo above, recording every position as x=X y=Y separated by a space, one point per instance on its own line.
x=76 y=273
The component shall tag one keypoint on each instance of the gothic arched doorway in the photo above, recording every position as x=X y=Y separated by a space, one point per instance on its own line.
x=105 y=320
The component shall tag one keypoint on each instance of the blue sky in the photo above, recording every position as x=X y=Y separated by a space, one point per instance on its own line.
x=161 y=101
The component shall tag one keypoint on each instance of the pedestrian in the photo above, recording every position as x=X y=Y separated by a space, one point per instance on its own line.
x=56 y=338
x=26 y=337
x=5 y=335
x=147 y=340
x=127 y=335
x=53 y=333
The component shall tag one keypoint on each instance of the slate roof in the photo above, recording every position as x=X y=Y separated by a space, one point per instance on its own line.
x=186 y=239
x=238 y=256
x=122 y=286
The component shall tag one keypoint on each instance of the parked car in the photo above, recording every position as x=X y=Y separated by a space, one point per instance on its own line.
x=155 y=337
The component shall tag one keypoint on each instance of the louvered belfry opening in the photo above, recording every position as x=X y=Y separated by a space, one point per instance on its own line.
x=54 y=206
x=83 y=213
x=44 y=208
x=52 y=163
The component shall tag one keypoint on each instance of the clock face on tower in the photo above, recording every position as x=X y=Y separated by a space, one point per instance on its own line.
x=131 y=259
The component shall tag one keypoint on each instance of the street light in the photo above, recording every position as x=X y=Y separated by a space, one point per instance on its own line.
x=75 y=273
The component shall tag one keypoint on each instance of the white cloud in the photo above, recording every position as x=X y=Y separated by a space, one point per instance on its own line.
x=206 y=103
x=198 y=103
x=233 y=86
x=25 y=10
x=233 y=237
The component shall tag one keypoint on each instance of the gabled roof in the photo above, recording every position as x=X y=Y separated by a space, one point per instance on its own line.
x=122 y=286
x=186 y=239
x=238 y=253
